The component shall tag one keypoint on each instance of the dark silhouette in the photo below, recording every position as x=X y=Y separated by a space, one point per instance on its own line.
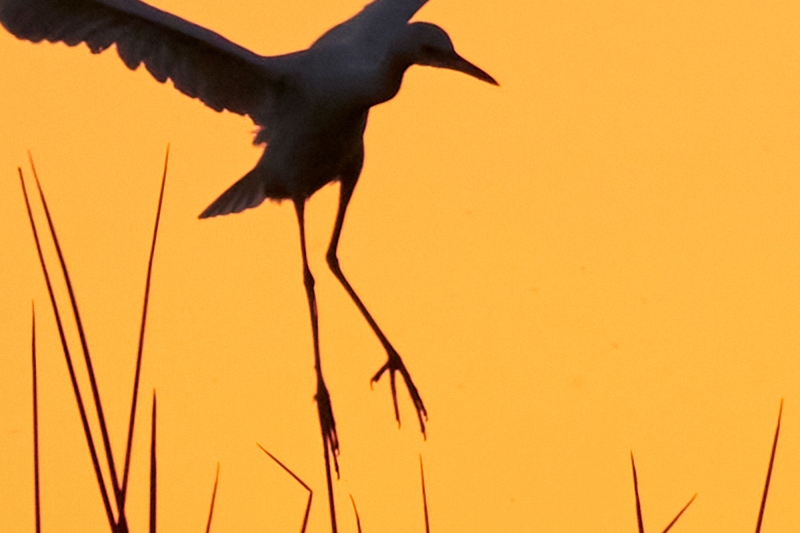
x=311 y=107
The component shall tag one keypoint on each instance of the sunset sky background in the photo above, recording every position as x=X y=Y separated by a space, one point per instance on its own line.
x=602 y=255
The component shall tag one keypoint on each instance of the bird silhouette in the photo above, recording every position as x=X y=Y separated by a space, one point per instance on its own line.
x=311 y=108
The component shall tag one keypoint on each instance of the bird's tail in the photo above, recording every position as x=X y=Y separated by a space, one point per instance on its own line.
x=248 y=192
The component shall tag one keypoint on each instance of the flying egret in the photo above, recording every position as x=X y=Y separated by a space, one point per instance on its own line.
x=311 y=108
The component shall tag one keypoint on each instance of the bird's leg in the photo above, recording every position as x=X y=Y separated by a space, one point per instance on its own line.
x=394 y=362
x=327 y=423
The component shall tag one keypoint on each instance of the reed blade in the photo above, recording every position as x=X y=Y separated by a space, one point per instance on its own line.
x=769 y=470
x=153 y=468
x=213 y=499
x=638 y=500
x=680 y=513
x=68 y=357
x=424 y=496
x=297 y=478
x=85 y=348
x=36 y=491
x=355 y=510
x=140 y=348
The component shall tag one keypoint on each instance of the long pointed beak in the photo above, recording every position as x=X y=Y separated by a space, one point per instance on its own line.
x=456 y=62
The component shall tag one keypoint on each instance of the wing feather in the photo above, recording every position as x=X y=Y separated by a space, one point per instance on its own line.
x=201 y=64
x=391 y=12
x=377 y=23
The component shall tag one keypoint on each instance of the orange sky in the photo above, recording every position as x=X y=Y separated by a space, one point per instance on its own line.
x=600 y=256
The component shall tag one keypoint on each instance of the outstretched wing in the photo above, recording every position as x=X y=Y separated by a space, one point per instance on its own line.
x=377 y=22
x=201 y=64
x=391 y=12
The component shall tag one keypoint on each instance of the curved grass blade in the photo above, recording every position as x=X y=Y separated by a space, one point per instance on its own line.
x=769 y=470
x=87 y=358
x=638 y=501
x=135 y=396
x=213 y=499
x=295 y=476
x=75 y=388
x=424 y=496
x=639 y=519
x=355 y=510
x=680 y=513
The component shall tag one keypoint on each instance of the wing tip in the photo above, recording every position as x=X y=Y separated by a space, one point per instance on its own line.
x=246 y=193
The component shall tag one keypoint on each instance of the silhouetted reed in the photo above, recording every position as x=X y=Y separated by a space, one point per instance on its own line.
x=640 y=521
x=116 y=513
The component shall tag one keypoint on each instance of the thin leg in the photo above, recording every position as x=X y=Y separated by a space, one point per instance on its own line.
x=330 y=440
x=394 y=363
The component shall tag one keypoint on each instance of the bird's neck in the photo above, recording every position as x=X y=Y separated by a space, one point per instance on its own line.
x=395 y=68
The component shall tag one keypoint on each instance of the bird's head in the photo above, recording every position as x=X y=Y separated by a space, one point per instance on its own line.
x=428 y=44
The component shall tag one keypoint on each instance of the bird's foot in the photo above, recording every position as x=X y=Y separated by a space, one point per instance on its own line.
x=395 y=364
x=326 y=422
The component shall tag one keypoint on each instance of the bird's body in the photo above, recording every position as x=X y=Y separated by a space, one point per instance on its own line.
x=311 y=106
x=316 y=129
